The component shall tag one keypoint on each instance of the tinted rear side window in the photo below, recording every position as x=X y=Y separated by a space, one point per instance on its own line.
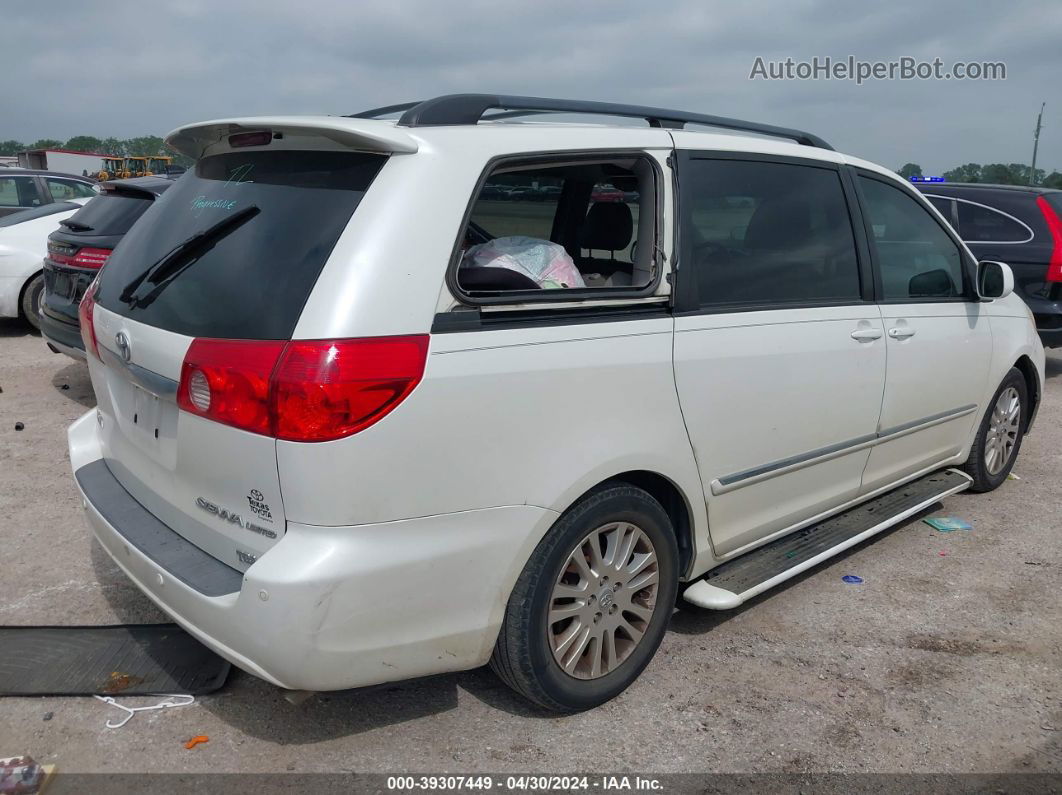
x=253 y=281
x=768 y=233
x=980 y=224
x=110 y=214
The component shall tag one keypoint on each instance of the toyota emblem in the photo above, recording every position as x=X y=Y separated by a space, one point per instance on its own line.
x=122 y=342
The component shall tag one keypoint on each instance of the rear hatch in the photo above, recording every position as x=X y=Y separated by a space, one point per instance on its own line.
x=83 y=243
x=225 y=259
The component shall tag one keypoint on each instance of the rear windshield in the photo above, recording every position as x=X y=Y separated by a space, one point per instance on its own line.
x=37 y=212
x=109 y=214
x=248 y=278
x=1055 y=200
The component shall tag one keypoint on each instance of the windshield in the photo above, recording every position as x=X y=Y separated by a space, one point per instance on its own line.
x=253 y=282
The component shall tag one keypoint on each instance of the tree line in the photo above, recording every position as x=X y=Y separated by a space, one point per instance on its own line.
x=994 y=173
x=142 y=145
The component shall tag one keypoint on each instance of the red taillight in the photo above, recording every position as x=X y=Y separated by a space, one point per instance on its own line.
x=332 y=388
x=228 y=381
x=304 y=390
x=1054 y=226
x=91 y=257
x=94 y=258
x=84 y=315
x=257 y=138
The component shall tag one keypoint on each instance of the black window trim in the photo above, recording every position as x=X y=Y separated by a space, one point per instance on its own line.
x=685 y=289
x=567 y=296
x=969 y=265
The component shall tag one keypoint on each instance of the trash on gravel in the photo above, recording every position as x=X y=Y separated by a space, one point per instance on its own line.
x=943 y=553
x=946 y=524
x=199 y=738
x=20 y=774
x=49 y=715
x=65 y=387
x=19 y=426
x=1012 y=476
x=852 y=579
x=131 y=711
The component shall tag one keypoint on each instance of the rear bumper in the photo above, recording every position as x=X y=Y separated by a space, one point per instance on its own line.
x=330 y=608
x=1051 y=338
x=63 y=335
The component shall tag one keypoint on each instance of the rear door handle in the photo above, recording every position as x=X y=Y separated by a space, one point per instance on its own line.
x=867 y=334
x=901 y=332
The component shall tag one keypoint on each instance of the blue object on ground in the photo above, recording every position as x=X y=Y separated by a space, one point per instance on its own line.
x=946 y=524
x=852 y=579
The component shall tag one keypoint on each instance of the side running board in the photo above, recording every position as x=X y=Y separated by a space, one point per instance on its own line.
x=738 y=580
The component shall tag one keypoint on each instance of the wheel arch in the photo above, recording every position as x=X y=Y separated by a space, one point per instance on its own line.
x=1032 y=384
x=25 y=286
x=671 y=498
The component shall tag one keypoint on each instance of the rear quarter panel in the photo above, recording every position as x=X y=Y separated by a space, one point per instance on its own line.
x=1013 y=336
x=506 y=417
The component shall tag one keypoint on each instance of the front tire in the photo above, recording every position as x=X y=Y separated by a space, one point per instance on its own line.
x=592 y=604
x=999 y=436
x=32 y=296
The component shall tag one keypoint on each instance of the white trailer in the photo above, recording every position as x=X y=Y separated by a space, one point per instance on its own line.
x=66 y=161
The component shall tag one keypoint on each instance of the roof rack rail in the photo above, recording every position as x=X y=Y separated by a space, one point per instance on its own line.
x=386 y=110
x=471 y=108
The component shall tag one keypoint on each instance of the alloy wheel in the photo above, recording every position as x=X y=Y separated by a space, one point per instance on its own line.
x=603 y=600
x=1003 y=430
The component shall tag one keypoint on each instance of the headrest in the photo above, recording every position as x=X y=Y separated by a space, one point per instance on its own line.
x=609 y=226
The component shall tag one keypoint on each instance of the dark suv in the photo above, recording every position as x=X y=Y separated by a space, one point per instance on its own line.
x=1020 y=226
x=81 y=246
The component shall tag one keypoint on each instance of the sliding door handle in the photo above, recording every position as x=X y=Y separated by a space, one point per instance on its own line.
x=867 y=334
x=901 y=332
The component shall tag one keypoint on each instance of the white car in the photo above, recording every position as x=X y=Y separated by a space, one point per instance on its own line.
x=23 y=245
x=355 y=425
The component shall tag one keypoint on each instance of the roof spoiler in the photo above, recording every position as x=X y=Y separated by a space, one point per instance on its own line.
x=194 y=139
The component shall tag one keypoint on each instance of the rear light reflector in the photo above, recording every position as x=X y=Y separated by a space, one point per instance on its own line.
x=1054 y=226
x=85 y=317
x=303 y=390
x=94 y=258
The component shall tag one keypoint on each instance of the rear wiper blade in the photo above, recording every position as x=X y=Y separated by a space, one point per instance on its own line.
x=75 y=226
x=168 y=265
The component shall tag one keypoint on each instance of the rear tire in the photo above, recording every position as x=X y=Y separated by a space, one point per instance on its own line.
x=32 y=295
x=580 y=625
x=999 y=435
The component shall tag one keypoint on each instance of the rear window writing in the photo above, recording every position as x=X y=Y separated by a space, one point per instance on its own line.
x=252 y=281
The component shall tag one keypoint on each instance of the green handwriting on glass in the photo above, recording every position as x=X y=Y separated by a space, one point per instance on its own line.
x=200 y=203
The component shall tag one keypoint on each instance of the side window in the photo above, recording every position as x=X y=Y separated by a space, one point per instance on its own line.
x=18 y=192
x=768 y=233
x=916 y=256
x=561 y=226
x=944 y=207
x=980 y=224
x=63 y=189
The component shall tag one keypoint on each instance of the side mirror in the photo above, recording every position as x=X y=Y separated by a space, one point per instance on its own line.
x=994 y=280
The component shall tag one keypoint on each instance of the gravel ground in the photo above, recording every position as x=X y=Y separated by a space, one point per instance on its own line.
x=937 y=663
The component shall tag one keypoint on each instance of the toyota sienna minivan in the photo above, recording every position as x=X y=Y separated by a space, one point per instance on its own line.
x=360 y=420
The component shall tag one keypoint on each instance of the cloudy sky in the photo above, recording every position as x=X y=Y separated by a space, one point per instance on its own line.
x=117 y=67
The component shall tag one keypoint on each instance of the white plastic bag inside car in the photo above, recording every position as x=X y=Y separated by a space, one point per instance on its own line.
x=545 y=263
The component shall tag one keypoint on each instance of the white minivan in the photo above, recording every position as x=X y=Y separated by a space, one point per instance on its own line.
x=386 y=398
